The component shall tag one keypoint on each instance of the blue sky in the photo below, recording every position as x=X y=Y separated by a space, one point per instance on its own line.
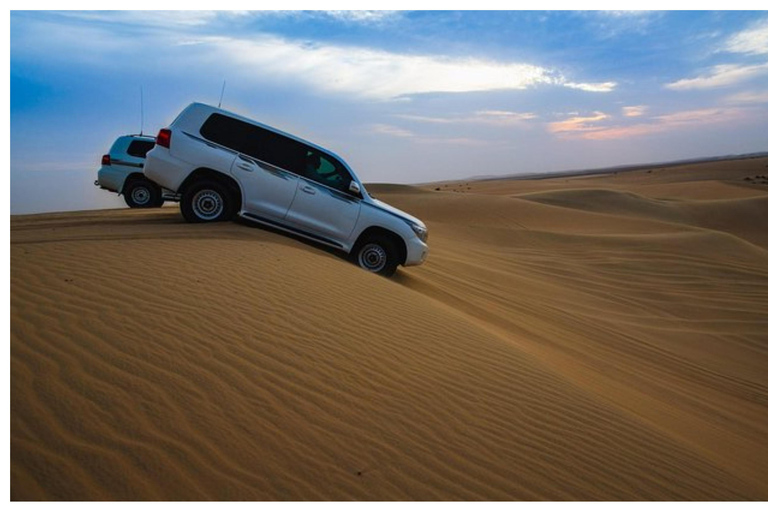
x=404 y=97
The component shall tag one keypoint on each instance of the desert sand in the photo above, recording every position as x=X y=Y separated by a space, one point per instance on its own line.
x=597 y=337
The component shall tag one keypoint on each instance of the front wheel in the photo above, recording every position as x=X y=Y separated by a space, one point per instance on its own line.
x=141 y=193
x=377 y=255
x=207 y=201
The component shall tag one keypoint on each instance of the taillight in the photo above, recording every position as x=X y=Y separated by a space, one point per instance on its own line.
x=164 y=138
x=105 y=160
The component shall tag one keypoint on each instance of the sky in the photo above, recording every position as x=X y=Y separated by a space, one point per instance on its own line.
x=402 y=96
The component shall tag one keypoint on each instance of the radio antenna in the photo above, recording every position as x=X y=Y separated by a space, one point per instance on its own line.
x=222 y=92
x=141 y=93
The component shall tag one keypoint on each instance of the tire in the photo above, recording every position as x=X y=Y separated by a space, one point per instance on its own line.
x=141 y=193
x=207 y=201
x=378 y=255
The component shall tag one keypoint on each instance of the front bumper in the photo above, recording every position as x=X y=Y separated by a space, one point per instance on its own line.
x=417 y=252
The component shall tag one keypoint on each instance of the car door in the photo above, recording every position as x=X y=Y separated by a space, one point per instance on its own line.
x=268 y=190
x=323 y=206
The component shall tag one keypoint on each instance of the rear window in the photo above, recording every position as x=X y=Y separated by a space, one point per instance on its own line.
x=140 y=148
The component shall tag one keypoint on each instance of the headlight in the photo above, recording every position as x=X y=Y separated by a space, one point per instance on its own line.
x=421 y=232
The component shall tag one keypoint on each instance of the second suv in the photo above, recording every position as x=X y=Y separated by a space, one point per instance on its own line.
x=122 y=172
x=223 y=164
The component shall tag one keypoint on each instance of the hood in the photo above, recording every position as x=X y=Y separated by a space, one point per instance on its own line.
x=394 y=211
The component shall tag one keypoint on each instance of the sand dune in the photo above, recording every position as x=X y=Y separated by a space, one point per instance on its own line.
x=600 y=338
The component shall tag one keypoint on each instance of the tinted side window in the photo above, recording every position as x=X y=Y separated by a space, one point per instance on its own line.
x=230 y=133
x=140 y=148
x=325 y=169
x=254 y=141
x=280 y=151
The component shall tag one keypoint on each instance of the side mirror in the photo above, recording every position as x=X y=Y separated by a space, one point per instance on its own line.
x=354 y=188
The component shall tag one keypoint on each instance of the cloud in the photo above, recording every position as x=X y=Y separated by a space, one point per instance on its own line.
x=595 y=87
x=611 y=24
x=364 y=17
x=579 y=123
x=720 y=76
x=394 y=131
x=705 y=115
x=380 y=74
x=753 y=41
x=453 y=141
x=503 y=116
x=581 y=128
x=491 y=117
x=634 y=111
x=194 y=39
x=152 y=18
x=748 y=97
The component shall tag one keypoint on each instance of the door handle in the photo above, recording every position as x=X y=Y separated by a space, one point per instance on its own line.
x=245 y=166
x=308 y=189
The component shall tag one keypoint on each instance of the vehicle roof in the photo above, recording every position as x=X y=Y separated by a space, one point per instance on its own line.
x=122 y=139
x=147 y=138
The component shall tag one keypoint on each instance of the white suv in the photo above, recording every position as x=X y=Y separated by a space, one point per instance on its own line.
x=222 y=164
x=122 y=172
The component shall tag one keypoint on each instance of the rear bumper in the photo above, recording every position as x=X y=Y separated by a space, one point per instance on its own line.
x=107 y=179
x=102 y=187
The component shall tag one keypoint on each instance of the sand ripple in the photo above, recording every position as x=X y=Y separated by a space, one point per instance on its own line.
x=570 y=342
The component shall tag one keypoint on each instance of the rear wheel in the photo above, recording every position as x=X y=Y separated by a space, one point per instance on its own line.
x=207 y=201
x=141 y=193
x=377 y=255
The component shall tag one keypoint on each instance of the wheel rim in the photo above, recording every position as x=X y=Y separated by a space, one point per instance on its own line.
x=140 y=195
x=207 y=204
x=372 y=257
